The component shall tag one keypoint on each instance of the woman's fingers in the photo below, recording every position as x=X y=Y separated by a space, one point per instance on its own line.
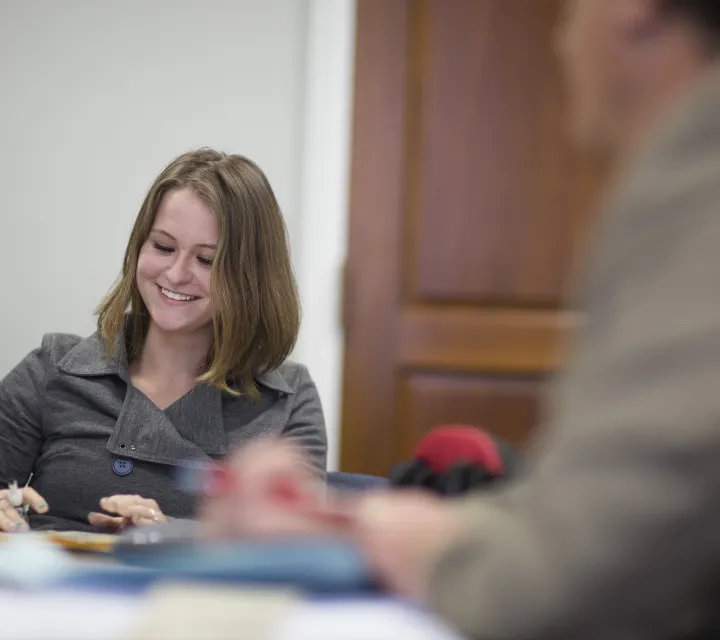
x=103 y=521
x=121 y=504
x=134 y=509
x=35 y=500
x=10 y=519
x=118 y=503
x=10 y=524
x=30 y=498
x=141 y=514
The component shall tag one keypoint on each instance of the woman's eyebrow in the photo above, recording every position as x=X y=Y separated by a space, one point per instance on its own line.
x=165 y=233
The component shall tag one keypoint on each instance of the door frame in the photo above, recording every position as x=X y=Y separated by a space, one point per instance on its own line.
x=372 y=278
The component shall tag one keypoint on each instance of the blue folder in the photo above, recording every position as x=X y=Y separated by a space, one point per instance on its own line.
x=314 y=566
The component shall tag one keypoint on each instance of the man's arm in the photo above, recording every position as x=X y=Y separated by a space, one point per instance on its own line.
x=616 y=531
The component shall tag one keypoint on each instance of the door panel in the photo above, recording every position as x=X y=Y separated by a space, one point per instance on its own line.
x=479 y=339
x=488 y=118
x=428 y=399
x=466 y=202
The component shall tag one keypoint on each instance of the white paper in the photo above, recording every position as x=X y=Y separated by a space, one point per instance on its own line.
x=68 y=616
x=359 y=620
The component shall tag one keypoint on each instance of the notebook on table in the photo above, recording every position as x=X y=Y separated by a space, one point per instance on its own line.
x=71 y=540
x=312 y=565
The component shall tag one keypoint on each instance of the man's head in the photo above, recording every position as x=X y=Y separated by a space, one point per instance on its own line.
x=626 y=59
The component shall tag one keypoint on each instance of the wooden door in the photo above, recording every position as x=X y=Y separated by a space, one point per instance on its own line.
x=466 y=200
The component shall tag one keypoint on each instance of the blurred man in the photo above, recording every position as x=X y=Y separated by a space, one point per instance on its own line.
x=615 y=530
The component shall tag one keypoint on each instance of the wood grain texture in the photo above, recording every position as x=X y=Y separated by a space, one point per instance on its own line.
x=375 y=234
x=465 y=208
x=472 y=339
x=504 y=406
x=496 y=220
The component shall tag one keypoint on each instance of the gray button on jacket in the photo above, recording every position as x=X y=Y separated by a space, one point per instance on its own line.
x=71 y=416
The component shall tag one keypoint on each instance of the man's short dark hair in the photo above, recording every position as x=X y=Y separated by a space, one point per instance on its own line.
x=704 y=14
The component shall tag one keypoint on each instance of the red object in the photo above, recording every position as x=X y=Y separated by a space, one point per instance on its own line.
x=449 y=445
x=219 y=480
x=287 y=493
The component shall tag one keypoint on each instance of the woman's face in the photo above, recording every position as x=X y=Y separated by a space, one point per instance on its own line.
x=174 y=265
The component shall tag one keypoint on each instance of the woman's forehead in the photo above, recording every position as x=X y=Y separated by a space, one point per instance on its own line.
x=183 y=215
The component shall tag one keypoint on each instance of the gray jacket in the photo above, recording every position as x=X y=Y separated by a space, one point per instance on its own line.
x=615 y=533
x=71 y=416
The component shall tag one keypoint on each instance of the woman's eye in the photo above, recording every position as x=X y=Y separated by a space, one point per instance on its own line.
x=162 y=248
x=205 y=262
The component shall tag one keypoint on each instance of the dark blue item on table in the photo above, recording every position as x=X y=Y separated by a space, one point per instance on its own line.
x=341 y=481
x=314 y=566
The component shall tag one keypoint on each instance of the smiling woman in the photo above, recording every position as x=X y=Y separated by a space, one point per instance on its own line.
x=171 y=266
x=189 y=360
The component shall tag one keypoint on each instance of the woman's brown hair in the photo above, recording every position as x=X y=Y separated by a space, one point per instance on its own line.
x=256 y=311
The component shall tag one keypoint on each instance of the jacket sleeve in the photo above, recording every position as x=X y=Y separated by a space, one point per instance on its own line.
x=21 y=433
x=306 y=426
x=615 y=531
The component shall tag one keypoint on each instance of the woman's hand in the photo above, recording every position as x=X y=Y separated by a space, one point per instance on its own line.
x=10 y=520
x=131 y=511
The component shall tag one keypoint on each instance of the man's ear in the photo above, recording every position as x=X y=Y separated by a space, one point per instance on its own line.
x=637 y=20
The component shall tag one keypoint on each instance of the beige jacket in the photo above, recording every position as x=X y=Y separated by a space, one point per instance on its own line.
x=615 y=534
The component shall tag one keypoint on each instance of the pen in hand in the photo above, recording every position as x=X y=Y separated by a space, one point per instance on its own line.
x=15 y=496
x=12 y=512
x=15 y=505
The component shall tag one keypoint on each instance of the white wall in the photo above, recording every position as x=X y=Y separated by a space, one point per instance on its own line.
x=322 y=237
x=96 y=97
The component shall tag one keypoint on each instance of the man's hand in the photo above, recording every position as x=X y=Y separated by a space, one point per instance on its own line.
x=272 y=491
x=402 y=534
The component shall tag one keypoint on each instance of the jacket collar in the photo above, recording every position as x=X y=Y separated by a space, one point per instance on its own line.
x=89 y=359
x=689 y=128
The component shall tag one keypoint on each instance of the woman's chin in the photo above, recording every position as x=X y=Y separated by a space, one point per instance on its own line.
x=176 y=325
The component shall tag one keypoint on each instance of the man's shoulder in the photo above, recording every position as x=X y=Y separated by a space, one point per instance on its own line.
x=673 y=179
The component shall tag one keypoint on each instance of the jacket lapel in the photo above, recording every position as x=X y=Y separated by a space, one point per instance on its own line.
x=190 y=429
x=143 y=431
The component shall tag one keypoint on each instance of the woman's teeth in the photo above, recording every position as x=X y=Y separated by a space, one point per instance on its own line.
x=176 y=296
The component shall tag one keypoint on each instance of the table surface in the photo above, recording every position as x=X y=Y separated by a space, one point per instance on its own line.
x=85 y=616
x=193 y=610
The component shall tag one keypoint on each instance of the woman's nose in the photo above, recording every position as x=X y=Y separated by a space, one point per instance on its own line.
x=179 y=272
